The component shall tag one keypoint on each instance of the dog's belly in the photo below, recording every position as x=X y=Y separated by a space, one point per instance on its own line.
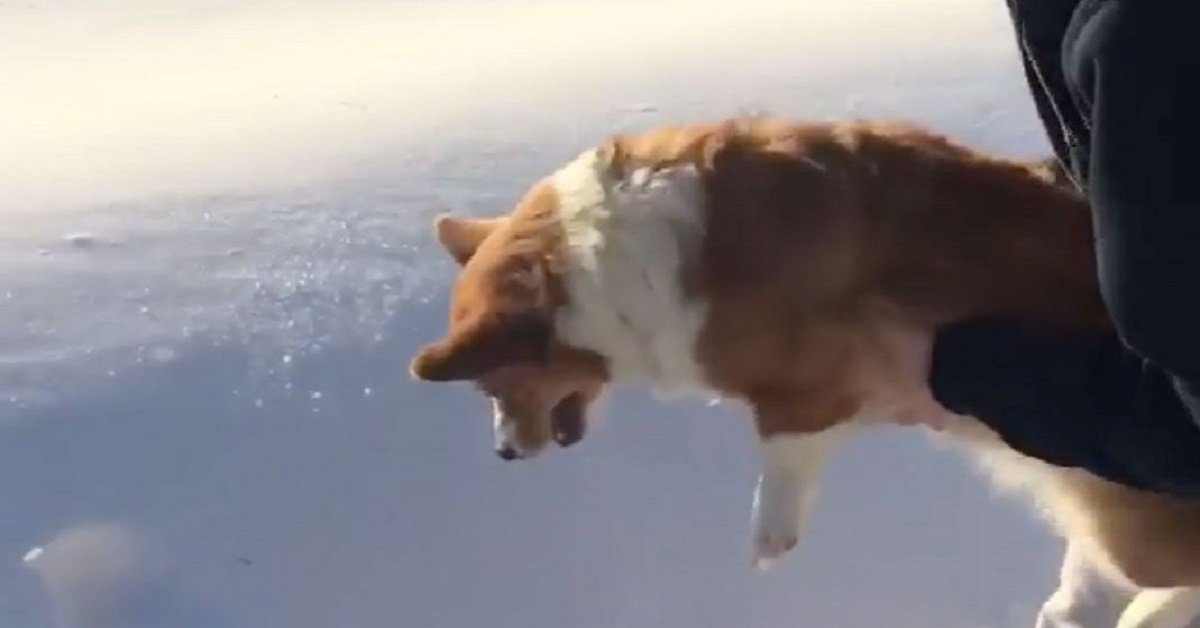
x=894 y=380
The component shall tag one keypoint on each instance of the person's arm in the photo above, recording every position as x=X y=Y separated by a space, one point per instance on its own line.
x=1092 y=402
x=1140 y=64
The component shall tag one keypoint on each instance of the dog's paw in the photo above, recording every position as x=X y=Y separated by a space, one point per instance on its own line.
x=768 y=549
x=786 y=492
x=776 y=520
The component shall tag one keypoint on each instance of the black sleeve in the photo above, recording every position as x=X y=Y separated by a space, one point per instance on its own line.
x=1138 y=62
x=1092 y=402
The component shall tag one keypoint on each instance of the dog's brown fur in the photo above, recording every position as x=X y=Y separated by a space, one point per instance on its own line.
x=821 y=240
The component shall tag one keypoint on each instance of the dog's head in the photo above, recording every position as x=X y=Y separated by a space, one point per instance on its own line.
x=501 y=332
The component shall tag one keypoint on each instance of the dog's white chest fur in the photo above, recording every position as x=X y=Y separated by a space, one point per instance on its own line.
x=628 y=239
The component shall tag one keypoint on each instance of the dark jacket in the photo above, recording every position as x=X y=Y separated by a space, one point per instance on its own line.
x=1117 y=86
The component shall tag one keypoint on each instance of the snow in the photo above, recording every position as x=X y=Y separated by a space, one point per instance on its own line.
x=33 y=554
x=115 y=576
x=215 y=263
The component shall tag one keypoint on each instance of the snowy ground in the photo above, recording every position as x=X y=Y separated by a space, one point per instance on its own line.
x=215 y=264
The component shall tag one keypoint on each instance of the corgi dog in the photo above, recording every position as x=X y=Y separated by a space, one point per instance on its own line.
x=800 y=268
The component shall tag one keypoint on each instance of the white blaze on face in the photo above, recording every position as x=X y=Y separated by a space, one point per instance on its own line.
x=787 y=491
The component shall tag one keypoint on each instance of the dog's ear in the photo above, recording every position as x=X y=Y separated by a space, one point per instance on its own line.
x=612 y=157
x=462 y=236
x=485 y=344
x=447 y=360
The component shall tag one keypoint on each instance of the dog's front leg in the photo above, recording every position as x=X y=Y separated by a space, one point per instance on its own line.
x=792 y=462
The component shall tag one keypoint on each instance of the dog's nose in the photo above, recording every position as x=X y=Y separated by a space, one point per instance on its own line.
x=507 y=452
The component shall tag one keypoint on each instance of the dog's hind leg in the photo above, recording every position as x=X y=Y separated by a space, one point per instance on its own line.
x=1085 y=598
x=1162 y=608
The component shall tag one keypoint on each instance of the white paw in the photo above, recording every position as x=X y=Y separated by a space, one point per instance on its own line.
x=786 y=492
x=769 y=549
x=776 y=521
